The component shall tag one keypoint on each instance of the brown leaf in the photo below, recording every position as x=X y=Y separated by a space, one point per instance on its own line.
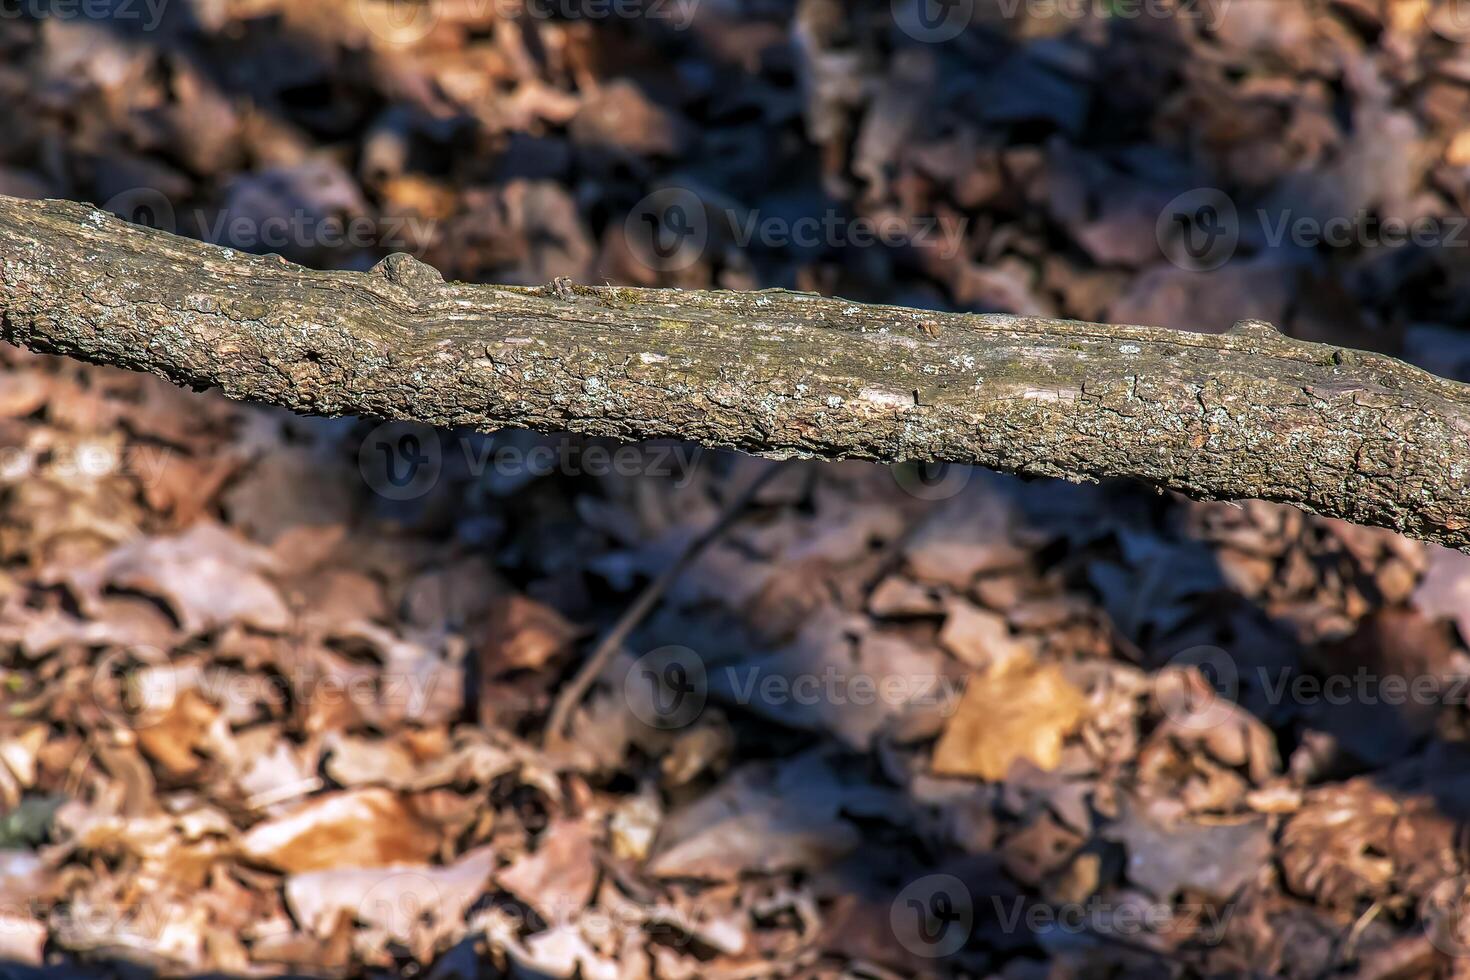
x=363 y=762
x=762 y=819
x=183 y=487
x=23 y=393
x=207 y=576
x=1020 y=713
x=1215 y=859
x=898 y=596
x=523 y=634
x=980 y=638
x=401 y=901
x=22 y=940
x=174 y=740
x=559 y=878
x=1445 y=590
x=364 y=828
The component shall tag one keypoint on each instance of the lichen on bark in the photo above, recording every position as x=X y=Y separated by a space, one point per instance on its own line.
x=1248 y=413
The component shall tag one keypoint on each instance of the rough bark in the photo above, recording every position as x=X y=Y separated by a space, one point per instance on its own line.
x=1249 y=413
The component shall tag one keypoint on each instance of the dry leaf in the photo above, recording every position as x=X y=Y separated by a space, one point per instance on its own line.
x=762 y=819
x=980 y=638
x=22 y=940
x=366 y=828
x=559 y=878
x=207 y=576
x=398 y=900
x=1445 y=590
x=523 y=634
x=175 y=739
x=1021 y=713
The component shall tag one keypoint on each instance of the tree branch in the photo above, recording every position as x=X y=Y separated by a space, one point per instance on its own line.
x=1249 y=413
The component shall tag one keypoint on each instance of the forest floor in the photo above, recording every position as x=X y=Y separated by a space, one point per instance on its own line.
x=276 y=690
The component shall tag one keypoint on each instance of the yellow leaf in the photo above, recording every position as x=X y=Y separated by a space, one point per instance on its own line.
x=1020 y=713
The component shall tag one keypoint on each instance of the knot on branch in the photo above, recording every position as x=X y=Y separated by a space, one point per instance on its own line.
x=562 y=288
x=1254 y=328
x=407 y=272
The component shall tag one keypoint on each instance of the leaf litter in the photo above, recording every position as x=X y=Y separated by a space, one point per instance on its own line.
x=265 y=715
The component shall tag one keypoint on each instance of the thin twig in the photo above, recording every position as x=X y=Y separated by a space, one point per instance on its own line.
x=571 y=695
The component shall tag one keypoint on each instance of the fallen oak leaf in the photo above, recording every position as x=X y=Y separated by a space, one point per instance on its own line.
x=1022 y=712
x=364 y=828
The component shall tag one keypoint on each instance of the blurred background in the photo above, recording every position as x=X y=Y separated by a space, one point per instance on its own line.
x=275 y=689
